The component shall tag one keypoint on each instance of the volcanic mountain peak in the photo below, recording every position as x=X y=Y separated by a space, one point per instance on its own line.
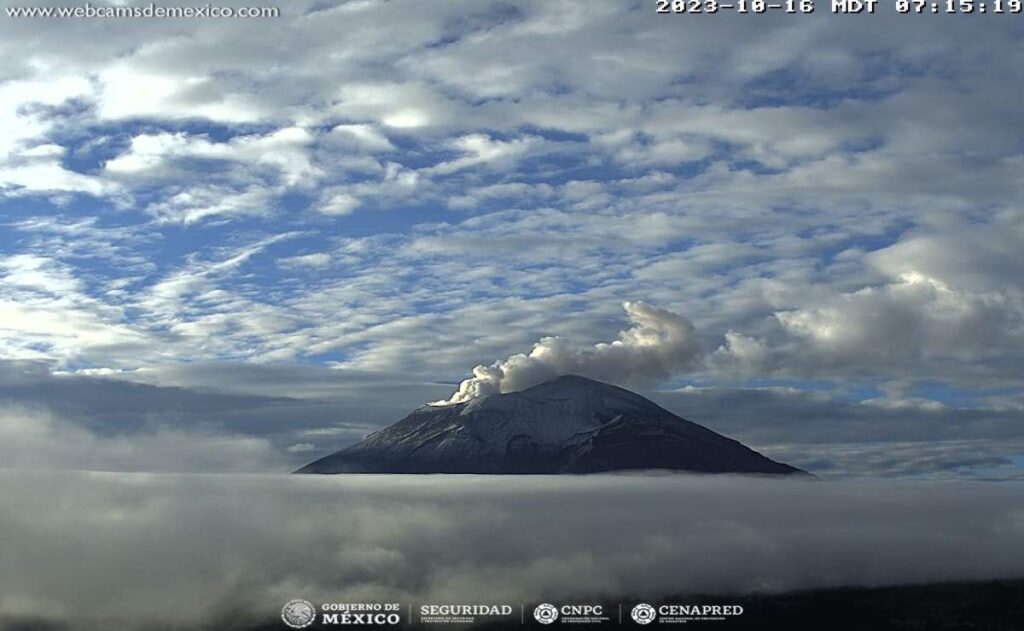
x=570 y=424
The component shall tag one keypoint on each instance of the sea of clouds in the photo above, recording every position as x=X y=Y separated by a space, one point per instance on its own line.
x=141 y=551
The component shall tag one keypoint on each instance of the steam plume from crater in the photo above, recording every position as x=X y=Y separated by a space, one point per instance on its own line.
x=658 y=345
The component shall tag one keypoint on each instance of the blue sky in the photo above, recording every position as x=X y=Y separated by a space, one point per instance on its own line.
x=347 y=208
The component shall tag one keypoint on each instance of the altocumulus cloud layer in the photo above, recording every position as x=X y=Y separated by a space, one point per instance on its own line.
x=262 y=233
x=192 y=550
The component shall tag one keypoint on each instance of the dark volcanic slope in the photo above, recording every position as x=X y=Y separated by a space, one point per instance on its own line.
x=567 y=425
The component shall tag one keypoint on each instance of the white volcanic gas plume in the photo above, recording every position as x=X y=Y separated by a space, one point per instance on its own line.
x=658 y=345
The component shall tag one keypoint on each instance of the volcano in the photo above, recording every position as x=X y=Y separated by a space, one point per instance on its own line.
x=570 y=424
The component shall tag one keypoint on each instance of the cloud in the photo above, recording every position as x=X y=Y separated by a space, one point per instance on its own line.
x=283 y=149
x=339 y=204
x=983 y=459
x=36 y=439
x=913 y=324
x=914 y=317
x=316 y=260
x=20 y=123
x=790 y=415
x=398 y=106
x=193 y=205
x=811 y=195
x=660 y=344
x=175 y=417
x=47 y=175
x=178 y=93
x=44 y=307
x=833 y=434
x=479 y=149
x=191 y=303
x=357 y=137
x=193 y=417
x=235 y=548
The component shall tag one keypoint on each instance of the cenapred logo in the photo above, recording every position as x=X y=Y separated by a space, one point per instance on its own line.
x=298 y=613
x=643 y=614
x=546 y=613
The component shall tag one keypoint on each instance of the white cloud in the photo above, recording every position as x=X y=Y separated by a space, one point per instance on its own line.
x=317 y=260
x=45 y=310
x=284 y=149
x=43 y=151
x=171 y=297
x=235 y=548
x=811 y=195
x=148 y=151
x=50 y=177
x=479 y=149
x=127 y=89
x=197 y=204
x=18 y=122
x=36 y=439
x=408 y=106
x=915 y=325
x=360 y=137
x=339 y=204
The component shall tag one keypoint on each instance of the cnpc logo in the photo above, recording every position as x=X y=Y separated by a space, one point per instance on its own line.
x=548 y=613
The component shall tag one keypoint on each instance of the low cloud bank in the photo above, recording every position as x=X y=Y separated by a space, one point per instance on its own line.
x=32 y=438
x=203 y=418
x=194 y=550
x=660 y=344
